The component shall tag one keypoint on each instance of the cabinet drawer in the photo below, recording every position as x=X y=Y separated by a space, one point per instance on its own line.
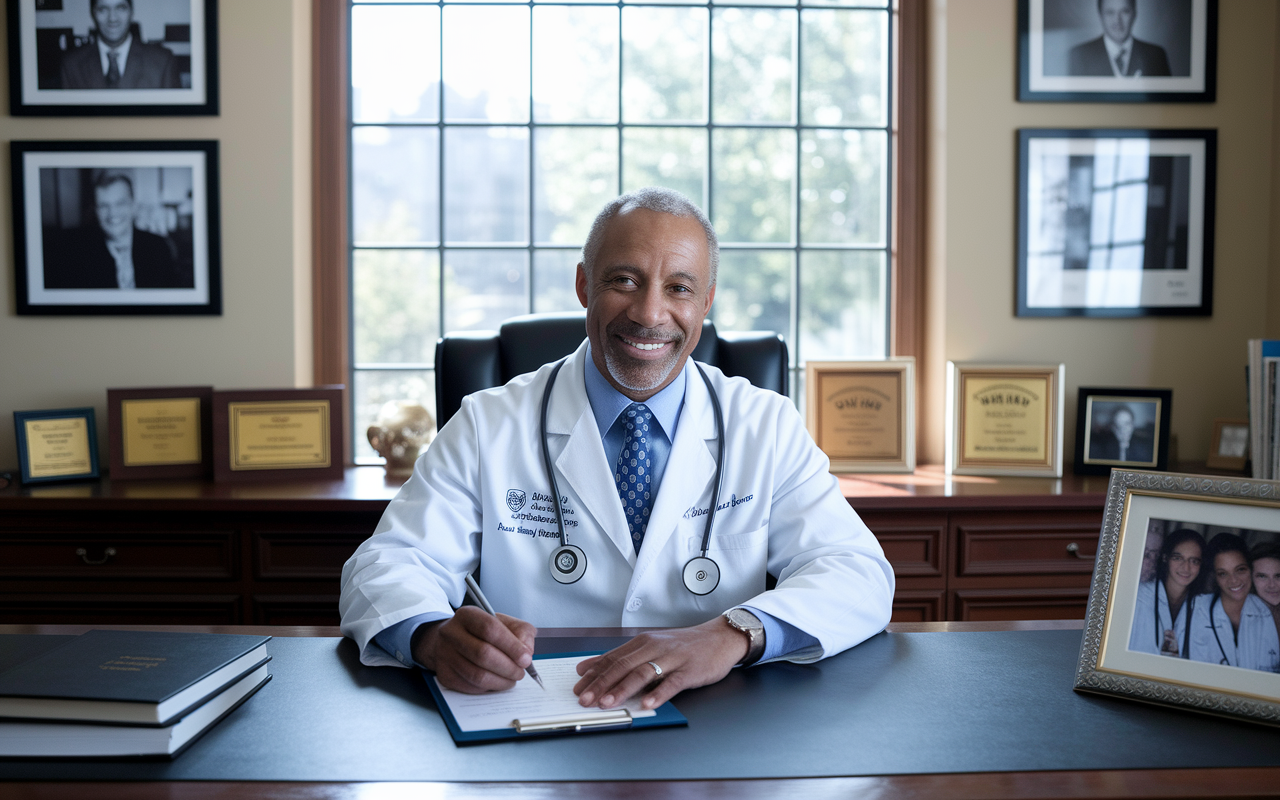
x=1018 y=604
x=120 y=609
x=123 y=556
x=303 y=556
x=917 y=606
x=1044 y=549
x=296 y=609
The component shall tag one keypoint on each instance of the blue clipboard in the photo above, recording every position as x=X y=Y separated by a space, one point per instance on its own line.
x=666 y=716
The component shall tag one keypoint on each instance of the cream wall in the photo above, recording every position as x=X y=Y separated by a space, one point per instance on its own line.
x=263 y=337
x=973 y=213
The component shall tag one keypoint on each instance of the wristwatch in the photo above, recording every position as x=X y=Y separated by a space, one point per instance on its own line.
x=743 y=620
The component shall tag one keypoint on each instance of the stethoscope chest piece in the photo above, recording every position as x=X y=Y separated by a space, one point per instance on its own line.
x=701 y=575
x=568 y=563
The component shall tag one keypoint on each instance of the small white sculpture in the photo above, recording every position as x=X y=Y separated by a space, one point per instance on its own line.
x=399 y=433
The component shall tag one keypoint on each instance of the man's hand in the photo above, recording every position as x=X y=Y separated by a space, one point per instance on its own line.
x=475 y=652
x=689 y=657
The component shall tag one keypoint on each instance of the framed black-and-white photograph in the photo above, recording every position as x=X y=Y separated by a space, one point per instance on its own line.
x=1119 y=51
x=116 y=227
x=1229 y=445
x=1115 y=223
x=1185 y=604
x=113 y=57
x=1122 y=427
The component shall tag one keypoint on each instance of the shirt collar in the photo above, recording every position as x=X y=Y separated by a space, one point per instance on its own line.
x=1114 y=49
x=607 y=402
x=122 y=49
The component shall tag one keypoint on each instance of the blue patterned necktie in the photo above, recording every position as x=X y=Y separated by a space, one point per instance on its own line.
x=631 y=472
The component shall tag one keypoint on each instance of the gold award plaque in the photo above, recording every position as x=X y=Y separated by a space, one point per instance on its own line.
x=859 y=415
x=1005 y=419
x=161 y=431
x=57 y=447
x=279 y=434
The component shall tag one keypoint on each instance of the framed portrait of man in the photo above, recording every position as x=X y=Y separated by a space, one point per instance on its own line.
x=113 y=57
x=1120 y=51
x=1122 y=427
x=116 y=227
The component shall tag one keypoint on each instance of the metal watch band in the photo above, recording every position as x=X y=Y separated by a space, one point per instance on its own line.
x=741 y=619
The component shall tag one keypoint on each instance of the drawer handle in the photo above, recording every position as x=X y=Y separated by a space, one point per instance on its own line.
x=84 y=556
x=1074 y=549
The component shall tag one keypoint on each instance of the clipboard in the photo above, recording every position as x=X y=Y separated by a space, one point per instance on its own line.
x=532 y=727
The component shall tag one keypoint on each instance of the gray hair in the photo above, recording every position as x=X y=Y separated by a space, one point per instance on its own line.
x=652 y=198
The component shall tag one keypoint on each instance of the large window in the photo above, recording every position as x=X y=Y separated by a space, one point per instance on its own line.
x=485 y=138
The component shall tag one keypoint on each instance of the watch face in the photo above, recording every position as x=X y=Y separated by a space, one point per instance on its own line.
x=743 y=620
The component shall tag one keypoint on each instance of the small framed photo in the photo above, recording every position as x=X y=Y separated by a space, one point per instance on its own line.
x=113 y=57
x=1004 y=419
x=1122 y=428
x=1183 y=607
x=57 y=445
x=160 y=433
x=862 y=413
x=116 y=227
x=1117 y=51
x=278 y=434
x=1115 y=223
x=1230 y=445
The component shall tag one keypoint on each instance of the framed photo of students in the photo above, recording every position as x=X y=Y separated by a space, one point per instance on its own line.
x=1183 y=607
x=1117 y=51
x=1122 y=428
x=121 y=227
x=113 y=57
x=56 y=445
x=862 y=413
x=1004 y=419
x=1115 y=223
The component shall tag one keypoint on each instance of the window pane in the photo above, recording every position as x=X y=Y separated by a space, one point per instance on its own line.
x=375 y=388
x=672 y=157
x=664 y=53
x=863 y=3
x=842 y=304
x=843 y=77
x=395 y=63
x=752 y=53
x=486 y=172
x=577 y=173
x=484 y=287
x=842 y=175
x=395 y=185
x=575 y=64
x=752 y=175
x=554 y=273
x=486 y=64
x=396 y=303
x=753 y=291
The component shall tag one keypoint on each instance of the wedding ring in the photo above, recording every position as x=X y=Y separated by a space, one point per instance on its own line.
x=657 y=670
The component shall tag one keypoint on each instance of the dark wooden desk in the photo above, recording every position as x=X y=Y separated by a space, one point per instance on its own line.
x=1163 y=783
x=199 y=552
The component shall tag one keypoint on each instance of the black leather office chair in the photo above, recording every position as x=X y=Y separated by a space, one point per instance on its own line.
x=470 y=361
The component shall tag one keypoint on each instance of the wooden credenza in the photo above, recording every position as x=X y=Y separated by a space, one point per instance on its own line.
x=202 y=553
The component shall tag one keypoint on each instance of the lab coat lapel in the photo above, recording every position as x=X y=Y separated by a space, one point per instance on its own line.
x=689 y=472
x=581 y=462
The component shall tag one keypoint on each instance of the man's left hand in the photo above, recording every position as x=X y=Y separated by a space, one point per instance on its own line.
x=689 y=657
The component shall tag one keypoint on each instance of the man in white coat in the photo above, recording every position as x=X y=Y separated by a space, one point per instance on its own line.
x=626 y=405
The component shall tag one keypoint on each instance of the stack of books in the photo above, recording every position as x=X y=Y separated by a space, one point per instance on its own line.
x=122 y=693
x=1264 y=421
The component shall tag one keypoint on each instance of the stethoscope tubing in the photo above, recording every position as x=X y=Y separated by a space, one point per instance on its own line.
x=1186 y=627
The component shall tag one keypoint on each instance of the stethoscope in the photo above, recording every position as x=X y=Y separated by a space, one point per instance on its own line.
x=1214 y=624
x=1186 y=627
x=568 y=563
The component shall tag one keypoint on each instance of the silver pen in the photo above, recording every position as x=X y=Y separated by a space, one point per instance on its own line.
x=473 y=589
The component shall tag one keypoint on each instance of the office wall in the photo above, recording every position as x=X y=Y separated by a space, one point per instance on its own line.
x=973 y=213
x=263 y=336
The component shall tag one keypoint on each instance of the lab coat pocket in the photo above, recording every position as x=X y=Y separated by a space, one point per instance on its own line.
x=743 y=559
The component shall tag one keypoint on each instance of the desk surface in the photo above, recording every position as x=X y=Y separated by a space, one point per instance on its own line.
x=971 y=712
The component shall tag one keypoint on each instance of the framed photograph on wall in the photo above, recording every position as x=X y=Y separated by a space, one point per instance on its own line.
x=1122 y=427
x=116 y=227
x=113 y=57
x=1117 y=51
x=1115 y=223
x=1182 y=610
x=862 y=413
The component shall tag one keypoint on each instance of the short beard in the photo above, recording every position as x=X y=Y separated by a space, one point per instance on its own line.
x=640 y=379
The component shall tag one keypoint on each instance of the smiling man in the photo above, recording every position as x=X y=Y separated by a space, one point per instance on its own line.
x=1116 y=53
x=632 y=431
x=116 y=59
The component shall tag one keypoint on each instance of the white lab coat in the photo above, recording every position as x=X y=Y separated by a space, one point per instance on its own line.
x=1146 y=636
x=478 y=498
x=1258 y=646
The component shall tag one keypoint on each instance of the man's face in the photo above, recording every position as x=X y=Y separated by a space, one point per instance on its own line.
x=1122 y=425
x=112 y=18
x=1151 y=554
x=646 y=297
x=1117 y=18
x=114 y=205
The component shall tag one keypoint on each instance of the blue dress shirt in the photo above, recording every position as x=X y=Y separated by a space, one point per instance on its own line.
x=607 y=404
